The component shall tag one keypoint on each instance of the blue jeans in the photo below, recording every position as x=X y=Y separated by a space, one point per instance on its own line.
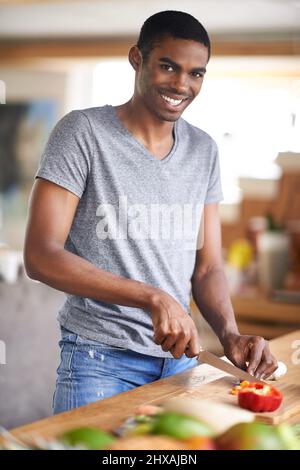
x=91 y=371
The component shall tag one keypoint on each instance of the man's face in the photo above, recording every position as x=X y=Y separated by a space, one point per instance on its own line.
x=171 y=77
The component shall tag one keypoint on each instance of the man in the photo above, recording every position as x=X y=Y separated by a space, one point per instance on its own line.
x=108 y=184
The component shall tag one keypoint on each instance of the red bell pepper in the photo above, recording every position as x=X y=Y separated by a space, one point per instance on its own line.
x=259 y=397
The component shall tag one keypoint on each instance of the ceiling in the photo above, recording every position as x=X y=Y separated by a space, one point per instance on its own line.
x=71 y=18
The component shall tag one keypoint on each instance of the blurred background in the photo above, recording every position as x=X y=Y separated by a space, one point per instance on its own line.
x=56 y=56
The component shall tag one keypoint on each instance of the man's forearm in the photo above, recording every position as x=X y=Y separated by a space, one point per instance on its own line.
x=74 y=275
x=211 y=295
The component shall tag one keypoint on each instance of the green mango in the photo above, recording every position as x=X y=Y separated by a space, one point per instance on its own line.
x=91 y=438
x=180 y=426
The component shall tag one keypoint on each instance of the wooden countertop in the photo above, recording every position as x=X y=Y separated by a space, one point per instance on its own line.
x=260 y=315
x=110 y=413
x=260 y=308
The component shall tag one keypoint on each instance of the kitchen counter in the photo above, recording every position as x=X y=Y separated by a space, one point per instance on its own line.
x=262 y=308
x=260 y=315
x=110 y=413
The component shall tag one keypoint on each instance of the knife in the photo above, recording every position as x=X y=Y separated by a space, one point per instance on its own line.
x=214 y=361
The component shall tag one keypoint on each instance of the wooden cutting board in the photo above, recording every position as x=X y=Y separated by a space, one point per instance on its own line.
x=219 y=391
x=287 y=350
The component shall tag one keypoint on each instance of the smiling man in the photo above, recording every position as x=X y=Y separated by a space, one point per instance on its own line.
x=124 y=220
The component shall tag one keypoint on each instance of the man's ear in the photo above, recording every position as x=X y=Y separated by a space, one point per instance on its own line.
x=135 y=57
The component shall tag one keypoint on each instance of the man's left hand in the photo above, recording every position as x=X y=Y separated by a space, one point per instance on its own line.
x=251 y=353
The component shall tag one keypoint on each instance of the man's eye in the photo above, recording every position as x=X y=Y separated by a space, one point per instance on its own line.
x=167 y=67
x=197 y=74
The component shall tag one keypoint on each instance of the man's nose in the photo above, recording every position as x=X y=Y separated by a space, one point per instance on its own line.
x=180 y=84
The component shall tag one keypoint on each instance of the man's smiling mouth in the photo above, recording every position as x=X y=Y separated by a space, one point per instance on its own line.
x=172 y=101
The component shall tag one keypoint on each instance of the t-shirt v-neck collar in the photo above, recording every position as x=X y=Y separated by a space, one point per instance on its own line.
x=126 y=132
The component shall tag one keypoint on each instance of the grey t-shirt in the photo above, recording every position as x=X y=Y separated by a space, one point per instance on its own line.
x=138 y=217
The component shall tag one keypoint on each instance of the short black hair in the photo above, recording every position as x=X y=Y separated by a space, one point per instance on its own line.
x=176 y=24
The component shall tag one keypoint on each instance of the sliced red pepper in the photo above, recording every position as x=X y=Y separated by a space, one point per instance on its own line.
x=259 y=397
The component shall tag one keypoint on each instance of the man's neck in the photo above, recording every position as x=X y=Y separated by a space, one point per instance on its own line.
x=145 y=127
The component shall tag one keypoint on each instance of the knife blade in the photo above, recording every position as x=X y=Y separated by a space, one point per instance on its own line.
x=214 y=361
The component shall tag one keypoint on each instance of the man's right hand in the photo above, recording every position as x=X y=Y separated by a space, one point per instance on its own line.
x=173 y=328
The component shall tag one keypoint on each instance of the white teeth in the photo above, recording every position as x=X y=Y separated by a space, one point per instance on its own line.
x=171 y=100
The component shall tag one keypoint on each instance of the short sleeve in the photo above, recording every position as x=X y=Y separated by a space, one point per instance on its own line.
x=214 y=190
x=67 y=156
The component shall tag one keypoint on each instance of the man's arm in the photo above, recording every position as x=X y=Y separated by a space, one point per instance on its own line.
x=51 y=213
x=211 y=294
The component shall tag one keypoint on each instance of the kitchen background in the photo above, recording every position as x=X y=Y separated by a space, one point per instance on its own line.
x=56 y=56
